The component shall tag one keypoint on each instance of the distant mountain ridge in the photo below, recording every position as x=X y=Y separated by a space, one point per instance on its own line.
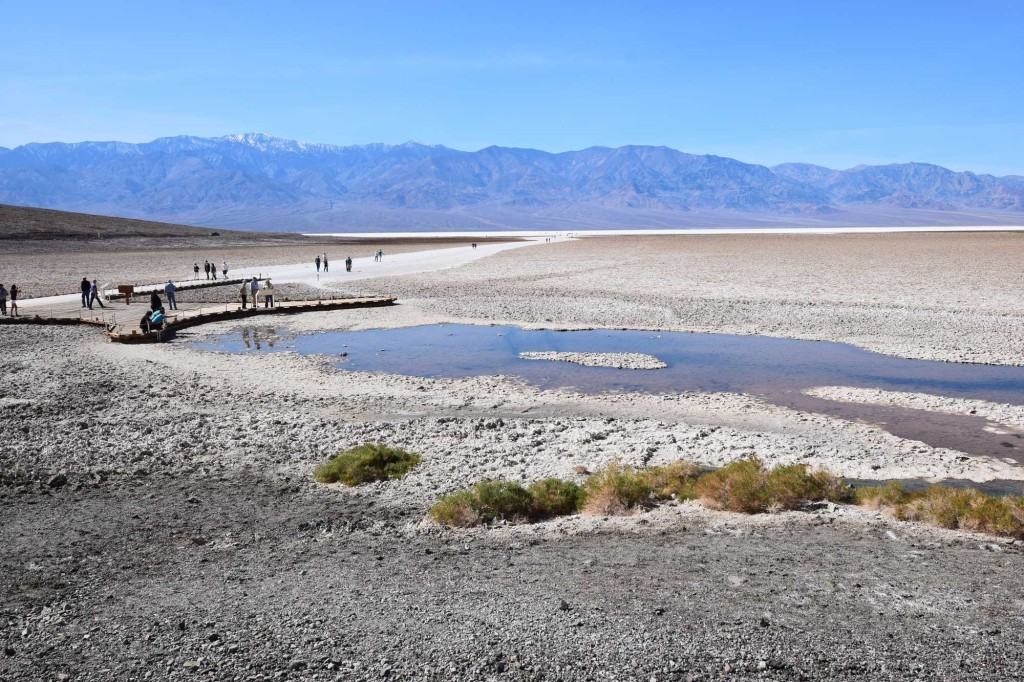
x=261 y=182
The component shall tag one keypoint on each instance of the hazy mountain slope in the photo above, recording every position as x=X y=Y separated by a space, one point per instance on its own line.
x=268 y=183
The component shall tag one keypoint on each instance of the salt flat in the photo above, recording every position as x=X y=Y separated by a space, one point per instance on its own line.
x=189 y=509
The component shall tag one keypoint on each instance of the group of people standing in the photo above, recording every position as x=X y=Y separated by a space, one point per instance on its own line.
x=252 y=288
x=13 y=294
x=210 y=269
x=321 y=261
x=90 y=293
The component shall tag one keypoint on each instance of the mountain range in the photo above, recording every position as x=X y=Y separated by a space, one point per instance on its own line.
x=256 y=181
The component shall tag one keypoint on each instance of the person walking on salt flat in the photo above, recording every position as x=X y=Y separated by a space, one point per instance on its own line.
x=94 y=295
x=195 y=271
x=317 y=261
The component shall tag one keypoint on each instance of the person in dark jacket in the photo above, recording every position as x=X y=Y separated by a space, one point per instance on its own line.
x=86 y=290
x=154 y=302
x=195 y=271
x=3 y=300
x=14 y=300
x=206 y=268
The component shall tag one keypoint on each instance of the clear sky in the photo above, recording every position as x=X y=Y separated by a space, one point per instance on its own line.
x=835 y=82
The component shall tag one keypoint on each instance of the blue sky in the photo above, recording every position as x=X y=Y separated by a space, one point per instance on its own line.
x=832 y=82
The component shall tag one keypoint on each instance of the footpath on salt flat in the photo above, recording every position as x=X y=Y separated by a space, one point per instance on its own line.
x=407 y=263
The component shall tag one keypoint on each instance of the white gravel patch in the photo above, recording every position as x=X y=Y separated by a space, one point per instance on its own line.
x=613 y=360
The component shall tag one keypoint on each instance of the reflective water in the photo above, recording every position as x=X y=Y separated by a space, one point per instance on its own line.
x=777 y=370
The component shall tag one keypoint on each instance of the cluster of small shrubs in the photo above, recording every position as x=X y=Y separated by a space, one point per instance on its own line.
x=745 y=486
x=957 y=508
x=490 y=501
x=366 y=463
x=749 y=487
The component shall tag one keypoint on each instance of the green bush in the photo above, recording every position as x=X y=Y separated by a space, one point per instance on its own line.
x=677 y=480
x=553 y=497
x=616 y=490
x=878 y=497
x=485 y=502
x=365 y=463
x=955 y=508
x=747 y=486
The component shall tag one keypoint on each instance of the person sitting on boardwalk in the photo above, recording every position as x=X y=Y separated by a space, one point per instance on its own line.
x=94 y=295
x=3 y=300
x=170 y=291
x=244 y=293
x=268 y=295
x=86 y=288
x=14 y=300
x=152 y=320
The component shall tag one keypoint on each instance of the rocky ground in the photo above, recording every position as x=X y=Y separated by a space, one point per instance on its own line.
x=158 y=520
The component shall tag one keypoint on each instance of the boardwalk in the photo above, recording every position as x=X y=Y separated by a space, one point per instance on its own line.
x=121 y=321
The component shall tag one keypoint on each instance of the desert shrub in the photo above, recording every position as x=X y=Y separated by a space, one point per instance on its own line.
x=365 y=463
x=738 y=486
x=616 y=490
x=457 y=510
x=884 y=496
x=553 y=497
x=965 y=509
x=676 y=480
x=747 y=486
x=502 y=501
x=485 y=502
x=791 y=486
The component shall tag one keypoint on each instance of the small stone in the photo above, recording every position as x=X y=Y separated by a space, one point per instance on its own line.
x=298 y=665
x=190 y=665
x=563 y=605
x=57 y=481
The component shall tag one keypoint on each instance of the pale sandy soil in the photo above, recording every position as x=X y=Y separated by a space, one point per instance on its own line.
x=955 y=297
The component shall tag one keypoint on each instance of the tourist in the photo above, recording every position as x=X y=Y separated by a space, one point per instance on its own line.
x=3 y=300
x=348 y=264
x=169 y=291
x=14 y=300
x=381 y=254
x=317 y=261
x=86 y=288
x=225 y=270
x=94 y=295
x=244 y=293
x=154 y=302
x=206 y=267
x=268 y=295
x=213 y=270
x=254 y=289
x=195 y=271
x=325 y=262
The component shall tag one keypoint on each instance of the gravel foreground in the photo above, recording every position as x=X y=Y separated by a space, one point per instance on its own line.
x=158 y=521
x=158 y=518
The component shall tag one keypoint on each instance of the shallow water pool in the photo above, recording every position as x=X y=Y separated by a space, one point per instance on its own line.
x=777 y=370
